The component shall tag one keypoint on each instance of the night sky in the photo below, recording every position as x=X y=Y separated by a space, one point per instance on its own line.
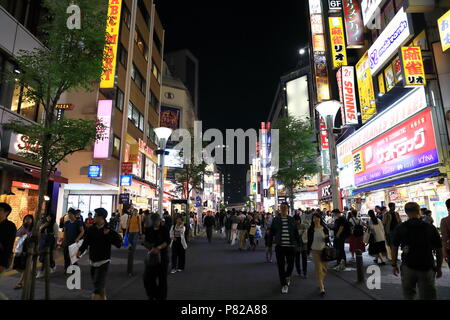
x=243 y=48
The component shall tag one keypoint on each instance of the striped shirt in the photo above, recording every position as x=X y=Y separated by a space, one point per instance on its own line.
x=285 y=237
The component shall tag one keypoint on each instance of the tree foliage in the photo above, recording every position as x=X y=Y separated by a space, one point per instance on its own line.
x=298 y=152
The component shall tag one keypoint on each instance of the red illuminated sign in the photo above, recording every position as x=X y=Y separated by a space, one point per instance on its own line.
x=323 y=134
x=354 y=28
x=127 y=167
x=24 y=185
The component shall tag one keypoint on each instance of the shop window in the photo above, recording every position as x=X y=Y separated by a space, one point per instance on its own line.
x=140 y=43
x=123 y=56
x=116 y=147
x=119 y=99
x=24 y=106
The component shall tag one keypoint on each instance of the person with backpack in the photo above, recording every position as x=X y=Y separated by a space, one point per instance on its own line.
x=420 y=242
x=357 y=234
x=391 y=219
x=341 y=232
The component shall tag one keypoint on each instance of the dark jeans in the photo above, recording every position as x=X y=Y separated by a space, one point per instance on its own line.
x=133 y=238
x=285 y=255
x=67 y=262
x=209 y=231
x=98 y=276
x=155 y=281
x=448 y=255
x=423 y=280
x=47 y=242
x=252 y=241
x=339 y=244
x=304 y=258
x=178 y=255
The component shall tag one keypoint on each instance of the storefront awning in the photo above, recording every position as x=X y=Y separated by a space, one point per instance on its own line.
x=430 y=174
x=53 y=177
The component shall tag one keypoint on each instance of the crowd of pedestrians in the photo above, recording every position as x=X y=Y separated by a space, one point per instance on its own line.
x=294 y=235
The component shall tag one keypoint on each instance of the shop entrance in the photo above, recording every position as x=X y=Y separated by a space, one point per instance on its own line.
x=180 y=205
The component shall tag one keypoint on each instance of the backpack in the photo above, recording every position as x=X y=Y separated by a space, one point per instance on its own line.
x=358 y=229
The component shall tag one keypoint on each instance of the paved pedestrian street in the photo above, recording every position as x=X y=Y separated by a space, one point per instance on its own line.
x=219 y=271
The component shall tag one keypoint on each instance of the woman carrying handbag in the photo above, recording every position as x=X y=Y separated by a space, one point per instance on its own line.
x=318 y=238
x=377 y=245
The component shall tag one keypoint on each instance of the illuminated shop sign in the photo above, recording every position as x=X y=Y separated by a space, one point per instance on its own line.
x=366 y=90
x=444 y=30
x=112 y=41
x=397 y=32
x=349 y=95
x=23 y=185
x=339 y=52
x=412 y=66
x=126 y=181
x=354 y=28
x=104 y=114
x=407 y=147
x=95 y=171
x=335 y=5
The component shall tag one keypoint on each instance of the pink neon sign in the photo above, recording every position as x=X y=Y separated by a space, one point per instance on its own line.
x=104 y=114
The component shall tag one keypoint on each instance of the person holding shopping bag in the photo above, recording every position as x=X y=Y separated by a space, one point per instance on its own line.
x=178 y=245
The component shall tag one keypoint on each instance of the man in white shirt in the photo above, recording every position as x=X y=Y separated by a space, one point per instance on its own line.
x=124 y=223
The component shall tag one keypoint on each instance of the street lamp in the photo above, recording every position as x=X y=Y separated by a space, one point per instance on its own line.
x=328 y=110
x=163 y=135
x=302 y=51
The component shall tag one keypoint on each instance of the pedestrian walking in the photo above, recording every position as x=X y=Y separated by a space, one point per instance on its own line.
x=234 y=225
x=427 y=217
x=341 y=232
x=48 y=234
x=228 y=225
x=20 y=257
x=420 y=242
x=157 y=240
x=115 y=221
x=209 y=223
x=251 y=229
x=268 y=237
x=318 y=237
x=357 y=234
x=178 y=245
x=124 y=223
x=445 y=232
x=242 y=232
x=377 y=244
x=301 y=252
x=73 y=233
x=390 y=221
x=89 y=221
x=286 y=237
x=99 y=239
x=167 y=220
x=134 y=229
x=8 y=232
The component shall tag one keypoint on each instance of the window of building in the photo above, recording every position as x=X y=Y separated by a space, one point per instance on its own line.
x=157 y=42
x=156 y=71
x=153 y=101
x=126 y=16
x=123 y=55
x=141 y=122
x=144 y=13
x=135 y=116
x=150 y=132
x=130 y=110
x=24 y=106
x=116 y=147
x=140 y=43
x=138 y=79
x=119 y=99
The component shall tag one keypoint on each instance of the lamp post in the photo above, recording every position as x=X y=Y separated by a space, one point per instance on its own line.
x=163 y=135
x=328 y=110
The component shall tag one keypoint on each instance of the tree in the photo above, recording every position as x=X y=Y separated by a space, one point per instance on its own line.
x=191 y=176
x=71 y=59
x=298 y=153
x=250 y=203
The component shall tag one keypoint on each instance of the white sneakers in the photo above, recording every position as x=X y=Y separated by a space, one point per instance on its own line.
x=284 y=289
x=173 y=271
x=39 y=275
x=340 y=267
x=179 y=270
x=53 y=270
x=288 y=281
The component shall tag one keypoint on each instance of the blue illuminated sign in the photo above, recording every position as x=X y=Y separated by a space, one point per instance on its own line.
x=95 y=171
x=125 y=181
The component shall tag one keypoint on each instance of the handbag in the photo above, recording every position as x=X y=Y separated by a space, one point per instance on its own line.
x=329 y=253
x=125 y=241
x=252 y=231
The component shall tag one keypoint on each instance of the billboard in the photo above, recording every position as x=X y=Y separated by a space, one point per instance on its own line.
x=407 y=147
x=354 y=28
x=339 y=52
x=170 y=117
x=412 y=66
x=444 y=30
x=104 y=115
x=366 y=92
x=349 y=95
x=298 y=97
x=112 y=41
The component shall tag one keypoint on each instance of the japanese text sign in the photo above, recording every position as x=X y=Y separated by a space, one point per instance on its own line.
x=354 y=28
x=366 y=90
x=339 y=52
x=444 y=30
x=405 y=148
x=112 y=41
x=413 y=69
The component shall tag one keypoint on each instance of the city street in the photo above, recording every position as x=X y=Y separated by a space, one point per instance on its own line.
x=218 y=271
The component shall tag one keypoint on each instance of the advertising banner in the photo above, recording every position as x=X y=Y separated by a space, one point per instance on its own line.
x=104 y=115
x=412 y=66
x=339 y=52
x=112 y=41
x=349 y=95
x=407 y=147
x=444 y=30
x=354 y=28
x=170 y=117
x=366 y=91
x=396 y=33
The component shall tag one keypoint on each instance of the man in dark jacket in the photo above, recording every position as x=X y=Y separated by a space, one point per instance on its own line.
x=99 y=239
x=287 y=238
x=7 y=236
x=419 y=241
x=209 y=223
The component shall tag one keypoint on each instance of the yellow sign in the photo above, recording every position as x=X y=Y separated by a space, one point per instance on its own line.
x=413 y=69
x=358 y=162
x=365 y=88
x=381 y=85
x=337 y=42
x=323 y=89
x=112 y=41
x=444 y=30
